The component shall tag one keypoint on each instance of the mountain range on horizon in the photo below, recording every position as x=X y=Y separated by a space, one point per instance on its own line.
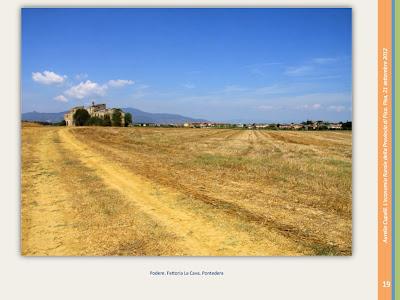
x=139 y=116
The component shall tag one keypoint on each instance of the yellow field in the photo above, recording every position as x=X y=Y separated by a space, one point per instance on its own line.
x=147 y=191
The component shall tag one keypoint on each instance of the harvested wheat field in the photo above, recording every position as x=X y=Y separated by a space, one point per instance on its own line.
x=160 y=191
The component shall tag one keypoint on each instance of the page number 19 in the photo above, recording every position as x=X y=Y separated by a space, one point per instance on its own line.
x=386 y=284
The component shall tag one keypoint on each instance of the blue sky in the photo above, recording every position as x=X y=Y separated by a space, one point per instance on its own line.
x=236 y=65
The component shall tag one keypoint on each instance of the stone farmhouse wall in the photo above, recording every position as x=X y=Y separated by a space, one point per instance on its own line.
x=95 y=110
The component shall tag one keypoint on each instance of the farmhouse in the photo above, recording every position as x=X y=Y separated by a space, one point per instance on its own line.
x=95 y=110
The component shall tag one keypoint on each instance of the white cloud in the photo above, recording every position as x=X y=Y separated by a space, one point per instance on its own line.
x=86 y=89
x=48 y=77
x=119 y=82
x=189 y=86
x=314 y=106
x=142 y=87
x=324 y=60
x=266 y=107
x=140 y=91
x=298 y=71
x=234 y=89
x=61 y=98
x=267 y=90
x=261 y=69
x=337 y=108
x=81 y=76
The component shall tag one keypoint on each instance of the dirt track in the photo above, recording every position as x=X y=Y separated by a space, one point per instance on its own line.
x=78 y=201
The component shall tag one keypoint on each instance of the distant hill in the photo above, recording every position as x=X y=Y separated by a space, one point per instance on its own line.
x=43 y=117
x=139 y=116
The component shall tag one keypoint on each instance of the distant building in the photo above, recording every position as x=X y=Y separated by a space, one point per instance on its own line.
x=95 y=110
x=297 y=126
x=312 y=126
x=335 y=126
x=285 y=126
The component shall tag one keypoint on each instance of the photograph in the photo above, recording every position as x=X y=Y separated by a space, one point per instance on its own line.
x=186 y=131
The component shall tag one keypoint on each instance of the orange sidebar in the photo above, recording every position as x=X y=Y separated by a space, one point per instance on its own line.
x=385 y=150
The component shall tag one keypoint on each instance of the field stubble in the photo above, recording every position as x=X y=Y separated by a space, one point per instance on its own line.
x=147 y=191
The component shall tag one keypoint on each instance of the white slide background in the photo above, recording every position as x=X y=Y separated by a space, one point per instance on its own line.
x=335 y=278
